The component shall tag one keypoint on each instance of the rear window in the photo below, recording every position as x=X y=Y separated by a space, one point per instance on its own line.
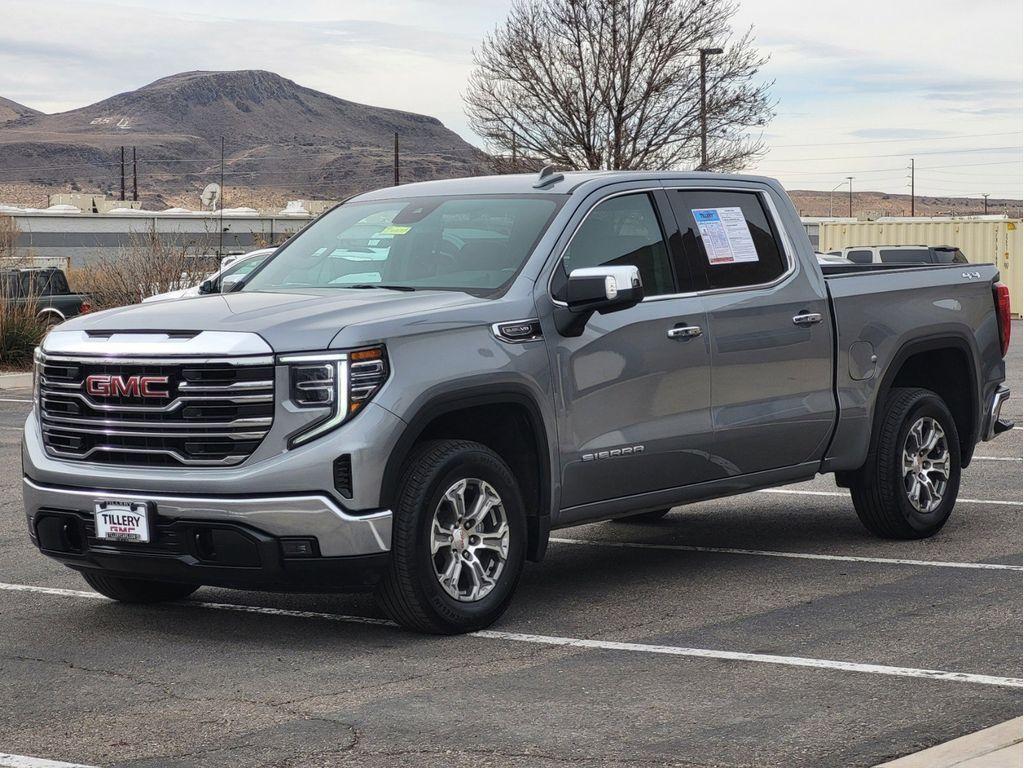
x=906 y=256
x=949 y=256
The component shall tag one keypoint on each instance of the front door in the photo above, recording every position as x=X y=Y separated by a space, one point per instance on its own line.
x=632 y=396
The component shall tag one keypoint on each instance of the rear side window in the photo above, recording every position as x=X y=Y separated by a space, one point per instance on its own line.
x=905 y=255
x=859 y=257
x=729 y=236
x=621 y=231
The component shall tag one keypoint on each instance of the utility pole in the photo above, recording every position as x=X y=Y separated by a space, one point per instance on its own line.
x=396 y=158
x=850 y=179
x=220 y=224
x=122 y=171
x=985 y=196
x=135 y=178
x=514 y=164
x=704 y=53
x=912 y=199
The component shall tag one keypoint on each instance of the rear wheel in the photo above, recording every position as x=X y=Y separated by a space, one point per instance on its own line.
x=909 y=483
x=458 y=539
x=127 y=590
x=651 y=516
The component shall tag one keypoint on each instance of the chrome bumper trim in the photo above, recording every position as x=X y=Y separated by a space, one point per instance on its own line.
x=1001 y=396
x=339 y=533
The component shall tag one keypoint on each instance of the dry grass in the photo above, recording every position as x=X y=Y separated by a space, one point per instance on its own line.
x=145 y=268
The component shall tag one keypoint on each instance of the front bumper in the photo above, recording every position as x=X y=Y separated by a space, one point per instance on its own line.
x=233 y=541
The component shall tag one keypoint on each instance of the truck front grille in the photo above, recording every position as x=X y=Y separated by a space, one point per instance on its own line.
x=155 y=413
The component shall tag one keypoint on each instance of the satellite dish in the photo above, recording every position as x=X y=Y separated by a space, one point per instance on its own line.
x=211 y=196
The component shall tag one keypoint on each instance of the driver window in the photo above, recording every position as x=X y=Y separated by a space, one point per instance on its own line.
x=622 y=231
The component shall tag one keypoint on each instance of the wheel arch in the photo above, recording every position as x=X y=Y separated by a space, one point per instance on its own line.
x=916 y=362
x=472 y=413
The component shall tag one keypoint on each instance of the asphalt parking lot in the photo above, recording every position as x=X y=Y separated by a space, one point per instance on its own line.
x=762 y=630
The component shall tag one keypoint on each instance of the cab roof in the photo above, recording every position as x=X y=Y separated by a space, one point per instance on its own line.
x=526 y=183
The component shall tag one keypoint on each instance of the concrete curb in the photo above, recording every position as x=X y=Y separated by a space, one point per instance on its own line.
x=995 y=747
x=15 y=380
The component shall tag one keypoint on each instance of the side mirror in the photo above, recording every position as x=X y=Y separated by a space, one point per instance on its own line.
x=208 y=286
x=601 y=290
x=604 y=289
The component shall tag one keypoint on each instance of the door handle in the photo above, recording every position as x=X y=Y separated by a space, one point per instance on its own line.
x=685 y=332
x=807 y=318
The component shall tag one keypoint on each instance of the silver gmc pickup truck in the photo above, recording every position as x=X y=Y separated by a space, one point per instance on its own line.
x=423 y=383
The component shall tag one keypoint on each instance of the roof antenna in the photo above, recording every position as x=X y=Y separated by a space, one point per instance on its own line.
x=547 y=177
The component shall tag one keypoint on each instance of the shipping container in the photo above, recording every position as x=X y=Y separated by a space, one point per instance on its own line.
x=984 y=240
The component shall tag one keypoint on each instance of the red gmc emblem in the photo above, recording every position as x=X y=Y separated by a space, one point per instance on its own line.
x=106 y=385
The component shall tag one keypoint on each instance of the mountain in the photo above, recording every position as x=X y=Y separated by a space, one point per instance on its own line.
x=277 y=134
x=875 y=204
x=12 y=110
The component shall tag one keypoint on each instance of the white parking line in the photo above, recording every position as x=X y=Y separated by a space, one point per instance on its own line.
x=24 y=761
x=13 y=400
x=997 y=458
x=847 y=495
x=607 y=645
x=795 y=555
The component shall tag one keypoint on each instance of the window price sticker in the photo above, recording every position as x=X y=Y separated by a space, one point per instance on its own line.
x=725 y=234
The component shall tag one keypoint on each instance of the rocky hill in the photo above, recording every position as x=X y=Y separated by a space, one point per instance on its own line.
x=277 y=134
x=12 y=110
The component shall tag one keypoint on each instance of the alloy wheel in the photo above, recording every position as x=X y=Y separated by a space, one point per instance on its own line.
x=469 y=540
x=925 y=464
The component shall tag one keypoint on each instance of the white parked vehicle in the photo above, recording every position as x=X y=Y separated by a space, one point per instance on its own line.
x=232 y=270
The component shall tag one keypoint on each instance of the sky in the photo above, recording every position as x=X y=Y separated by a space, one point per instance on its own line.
x=861 y=87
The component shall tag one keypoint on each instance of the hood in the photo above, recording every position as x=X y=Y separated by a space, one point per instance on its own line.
x=289 y=322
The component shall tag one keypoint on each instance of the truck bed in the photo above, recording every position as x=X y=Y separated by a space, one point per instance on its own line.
x=877 y=309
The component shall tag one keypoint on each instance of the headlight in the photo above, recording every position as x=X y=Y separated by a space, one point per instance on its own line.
x=339 y=384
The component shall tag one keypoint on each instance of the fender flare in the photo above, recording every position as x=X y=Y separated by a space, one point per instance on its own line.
x=451 y=400
x=931 y=343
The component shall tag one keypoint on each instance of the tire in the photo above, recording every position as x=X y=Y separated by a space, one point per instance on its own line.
x=411 y=590
x=883 y=489
x=127 y=590
x=651 y=516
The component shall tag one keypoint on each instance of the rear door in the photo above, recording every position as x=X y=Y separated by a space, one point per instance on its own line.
x=772 y=404
x=633 y=391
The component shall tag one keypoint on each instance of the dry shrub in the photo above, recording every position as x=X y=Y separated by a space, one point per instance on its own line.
x=145 y=268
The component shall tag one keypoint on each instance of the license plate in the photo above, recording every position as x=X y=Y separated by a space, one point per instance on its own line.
x=122 y=520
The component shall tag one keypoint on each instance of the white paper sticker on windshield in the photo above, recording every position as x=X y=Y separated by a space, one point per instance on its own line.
x=725 y=234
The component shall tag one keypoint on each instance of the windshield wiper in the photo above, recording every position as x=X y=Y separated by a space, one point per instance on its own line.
x=379 y=285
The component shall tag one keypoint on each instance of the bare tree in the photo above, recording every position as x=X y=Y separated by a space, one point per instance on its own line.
x=615 y=84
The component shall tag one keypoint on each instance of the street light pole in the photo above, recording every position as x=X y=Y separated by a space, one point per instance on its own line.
x=986 y=202
x=832 y=192
x=850 y=179
x=704 y=53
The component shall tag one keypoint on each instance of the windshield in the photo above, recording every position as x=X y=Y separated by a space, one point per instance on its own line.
x=472 y=244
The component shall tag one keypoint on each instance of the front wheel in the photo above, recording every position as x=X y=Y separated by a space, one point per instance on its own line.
x=127 y=590
x=458 y=539
x=909 y=483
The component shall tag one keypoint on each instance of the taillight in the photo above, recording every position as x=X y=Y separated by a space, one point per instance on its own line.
x=86 y=307
x=1001 y=294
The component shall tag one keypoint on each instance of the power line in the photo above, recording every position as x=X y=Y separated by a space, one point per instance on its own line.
x=889 y=141
x=900 y=154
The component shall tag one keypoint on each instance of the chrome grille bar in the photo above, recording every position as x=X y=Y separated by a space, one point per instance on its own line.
x=219 y=411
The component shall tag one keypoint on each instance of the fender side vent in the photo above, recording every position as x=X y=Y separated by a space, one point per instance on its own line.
x=343 y=475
